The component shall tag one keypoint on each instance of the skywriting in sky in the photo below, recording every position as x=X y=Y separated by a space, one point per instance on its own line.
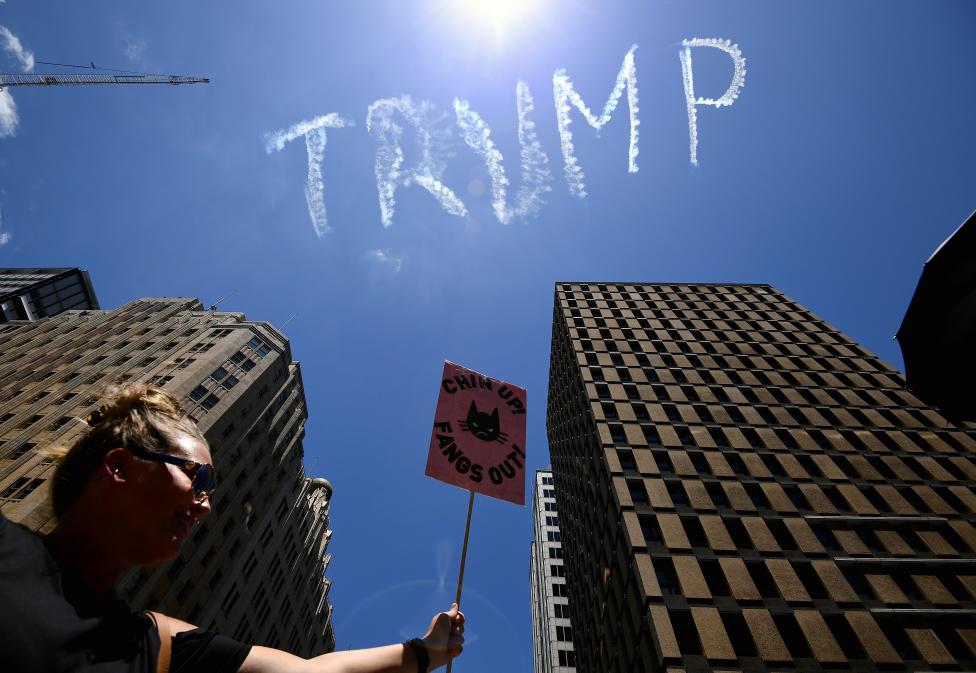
x=386 y=119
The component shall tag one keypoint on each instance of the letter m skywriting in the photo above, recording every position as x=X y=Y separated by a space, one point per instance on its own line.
x=565 y=96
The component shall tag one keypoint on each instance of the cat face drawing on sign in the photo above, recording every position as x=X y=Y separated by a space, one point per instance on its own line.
x=482 y=425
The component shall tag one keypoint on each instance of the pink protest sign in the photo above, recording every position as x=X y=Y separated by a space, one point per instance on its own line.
x=478 y=441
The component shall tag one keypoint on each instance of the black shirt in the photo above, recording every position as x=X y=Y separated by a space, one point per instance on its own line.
x=51 y=623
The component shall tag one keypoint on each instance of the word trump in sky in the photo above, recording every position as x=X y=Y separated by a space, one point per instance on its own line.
x=478 y=441
x=387 y=119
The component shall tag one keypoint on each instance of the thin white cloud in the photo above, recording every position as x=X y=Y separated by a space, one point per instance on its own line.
x=4 y=235
x=727 y=98
x=535 y=173
x=8 y=115
x=385 y=258
x=565 y=96
x=11 y=44
x=9 y=121
x=432 y=139
x=314 y=131
x=135 y=48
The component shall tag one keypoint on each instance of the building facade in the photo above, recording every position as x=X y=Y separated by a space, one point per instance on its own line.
x=552 y=630
x=30 y=294
x=255 y=567
x=744 y=488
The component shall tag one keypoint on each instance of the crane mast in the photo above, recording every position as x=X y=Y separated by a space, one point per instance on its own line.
x=30 y=79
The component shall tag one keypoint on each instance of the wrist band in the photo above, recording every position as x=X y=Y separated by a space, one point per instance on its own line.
x=420 y=653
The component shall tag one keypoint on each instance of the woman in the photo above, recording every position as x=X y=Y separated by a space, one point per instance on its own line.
x=128 y=493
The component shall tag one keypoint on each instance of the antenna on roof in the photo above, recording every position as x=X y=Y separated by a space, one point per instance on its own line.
x=213 y=307
x=293 y=316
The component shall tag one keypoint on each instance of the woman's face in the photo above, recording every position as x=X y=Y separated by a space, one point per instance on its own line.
x=164 y=507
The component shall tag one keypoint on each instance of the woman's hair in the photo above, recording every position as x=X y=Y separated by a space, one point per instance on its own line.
x=132 y=414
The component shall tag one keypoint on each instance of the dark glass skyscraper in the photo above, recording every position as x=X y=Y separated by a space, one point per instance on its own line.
x=743 y=487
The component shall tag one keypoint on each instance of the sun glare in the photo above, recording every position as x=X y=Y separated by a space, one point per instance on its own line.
x=499 y=18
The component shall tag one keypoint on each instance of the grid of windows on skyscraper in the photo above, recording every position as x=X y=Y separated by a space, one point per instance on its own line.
x=743 y=487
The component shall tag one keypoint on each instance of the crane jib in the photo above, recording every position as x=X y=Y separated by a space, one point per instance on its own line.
x=41 y=79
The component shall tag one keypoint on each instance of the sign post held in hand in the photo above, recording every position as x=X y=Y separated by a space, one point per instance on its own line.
x=478 y=442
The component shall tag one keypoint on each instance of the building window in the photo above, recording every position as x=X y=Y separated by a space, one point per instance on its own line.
x=14 y=487
x=651 y=435
x=685 y=632
x=209 y=402
x=651 y=531
x=198 y=393
x=677 y=493
x=627 y=461
x=218 y=374
x=21 y=488
x=667 y=579
x=638 y=494
x=230 y=382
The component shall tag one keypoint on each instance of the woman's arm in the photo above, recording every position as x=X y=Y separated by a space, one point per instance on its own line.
x=444 y=641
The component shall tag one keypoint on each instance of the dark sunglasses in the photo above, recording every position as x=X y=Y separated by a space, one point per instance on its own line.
x=202 y=475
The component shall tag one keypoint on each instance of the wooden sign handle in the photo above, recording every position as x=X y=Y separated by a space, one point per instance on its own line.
x=464 y=556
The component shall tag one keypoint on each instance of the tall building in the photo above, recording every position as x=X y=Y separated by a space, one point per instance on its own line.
x=255 y=568
x=552 y=630
x=29 y=294
x=743 y=487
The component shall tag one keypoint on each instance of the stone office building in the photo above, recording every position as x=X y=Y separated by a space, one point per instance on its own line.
x=552 y=629
x=744 y=488
x=255 y=568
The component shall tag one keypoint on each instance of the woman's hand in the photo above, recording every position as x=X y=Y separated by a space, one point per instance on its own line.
x=445 y=637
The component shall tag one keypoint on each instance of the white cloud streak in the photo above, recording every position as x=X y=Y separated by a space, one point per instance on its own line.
x=386 y=258
x=8 y=115
x=4 y=236
x=565 y=96
x=9 y=121
x=535 y=172
x=314 y=132
x=135 y=48
x=432 y=141
x=738 y=80
x=11 y=44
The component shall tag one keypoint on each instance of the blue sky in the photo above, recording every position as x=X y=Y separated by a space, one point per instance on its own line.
x=844 y=162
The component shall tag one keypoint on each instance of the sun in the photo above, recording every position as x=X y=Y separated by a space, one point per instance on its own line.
x=501 y=18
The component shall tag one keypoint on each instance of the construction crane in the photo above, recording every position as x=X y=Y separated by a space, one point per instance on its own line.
x=31 y=79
